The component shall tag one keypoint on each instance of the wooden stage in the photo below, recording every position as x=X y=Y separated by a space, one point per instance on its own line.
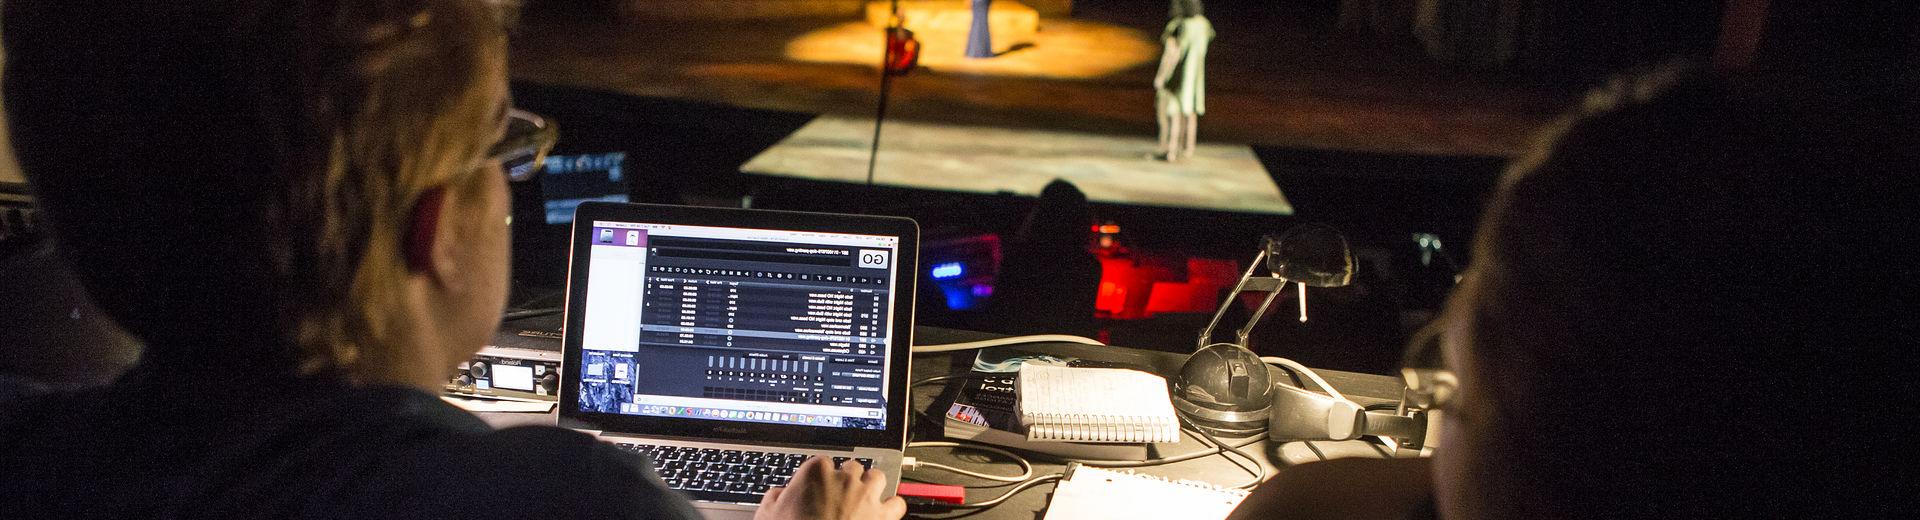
x=980 y=159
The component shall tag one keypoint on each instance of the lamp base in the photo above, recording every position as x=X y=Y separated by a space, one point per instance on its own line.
x=1225 y=389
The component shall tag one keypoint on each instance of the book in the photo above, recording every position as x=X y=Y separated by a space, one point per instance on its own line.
x=1089 y=492
x=1080 y=404
x=984 y=412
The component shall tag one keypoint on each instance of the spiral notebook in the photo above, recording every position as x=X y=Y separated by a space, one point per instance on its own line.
x=1095 y=405
x=1089 y=493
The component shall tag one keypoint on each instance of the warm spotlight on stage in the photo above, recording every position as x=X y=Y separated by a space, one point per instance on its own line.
x=1064 y=49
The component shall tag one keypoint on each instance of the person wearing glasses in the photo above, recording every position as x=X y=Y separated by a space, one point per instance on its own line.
x=301 y=210
x=1688 y=302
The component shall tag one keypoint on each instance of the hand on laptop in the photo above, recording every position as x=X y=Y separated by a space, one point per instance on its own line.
x=818 y=491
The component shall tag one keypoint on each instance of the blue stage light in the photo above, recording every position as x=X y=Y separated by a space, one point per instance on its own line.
x=948 y=270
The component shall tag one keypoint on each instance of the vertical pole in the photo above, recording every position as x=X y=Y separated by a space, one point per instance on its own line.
x=880 y=114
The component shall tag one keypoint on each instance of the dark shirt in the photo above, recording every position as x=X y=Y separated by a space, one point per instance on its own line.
x=176 y=446
x=1045 y=289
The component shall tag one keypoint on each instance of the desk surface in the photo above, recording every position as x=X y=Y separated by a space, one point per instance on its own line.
x=1362 y=388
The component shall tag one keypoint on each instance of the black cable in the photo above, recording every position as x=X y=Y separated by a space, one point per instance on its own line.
x=1017 y=488
x=1291 y=374
x=1211 y=451
x=1218 y=447
x=936 y=379
x=1315 y=449
x=1214 y=450
x=1382 y=450
x=528 y=313
x=540 y=301
x=1259 y=472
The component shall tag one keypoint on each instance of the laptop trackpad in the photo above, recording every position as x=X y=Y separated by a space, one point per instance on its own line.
x=725 y=514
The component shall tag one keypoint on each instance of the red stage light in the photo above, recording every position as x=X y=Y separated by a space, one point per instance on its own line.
x=1134 y=288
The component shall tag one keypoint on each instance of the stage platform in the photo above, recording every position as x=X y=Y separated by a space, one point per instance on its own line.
x=979 y=159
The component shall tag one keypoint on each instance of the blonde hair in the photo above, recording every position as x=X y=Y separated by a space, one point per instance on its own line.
x=234 y=185
x=424 y=116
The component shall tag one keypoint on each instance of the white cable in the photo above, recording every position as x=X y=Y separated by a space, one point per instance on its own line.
x=1026 y=468
x=1015 y=340
x=1298 y=368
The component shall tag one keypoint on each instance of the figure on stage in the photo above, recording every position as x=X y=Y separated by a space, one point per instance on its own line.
x=1181 y=84
x=979 y=39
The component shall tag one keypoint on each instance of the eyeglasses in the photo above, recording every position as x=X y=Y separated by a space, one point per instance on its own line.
x=1430 y=384
x=523 y=145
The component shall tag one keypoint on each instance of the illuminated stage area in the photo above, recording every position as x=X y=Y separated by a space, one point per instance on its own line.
x=1062 y=49
x=975 y=159
x=1270 y=84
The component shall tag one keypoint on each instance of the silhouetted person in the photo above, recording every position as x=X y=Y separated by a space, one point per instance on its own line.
x=1691 y=301
x=1048 y=278
x=301 y=210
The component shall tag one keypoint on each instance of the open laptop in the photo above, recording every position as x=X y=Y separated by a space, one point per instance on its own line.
x=729 y=345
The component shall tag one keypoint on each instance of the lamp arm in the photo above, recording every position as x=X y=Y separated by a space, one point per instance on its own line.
x=1206 y=335
x=1247 y=330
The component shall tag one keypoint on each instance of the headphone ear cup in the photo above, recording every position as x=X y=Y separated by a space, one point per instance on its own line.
x=423 y=227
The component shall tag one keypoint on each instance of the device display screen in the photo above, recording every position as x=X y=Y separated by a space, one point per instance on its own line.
x=736 y=324
x=513 y=377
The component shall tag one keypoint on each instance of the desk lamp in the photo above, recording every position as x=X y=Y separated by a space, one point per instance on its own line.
x=1224 y=387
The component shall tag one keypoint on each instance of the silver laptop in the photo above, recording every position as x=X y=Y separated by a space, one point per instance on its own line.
x=729 y=345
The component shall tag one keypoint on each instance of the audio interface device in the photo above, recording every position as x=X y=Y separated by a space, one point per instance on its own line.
x=522 y=362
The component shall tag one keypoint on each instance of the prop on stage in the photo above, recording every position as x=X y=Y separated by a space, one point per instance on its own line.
x=1069 y=49
x=948 y=26
x=977 y=159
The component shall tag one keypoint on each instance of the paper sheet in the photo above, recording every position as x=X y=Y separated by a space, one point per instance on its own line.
x=499 y=405
x=1094 y=493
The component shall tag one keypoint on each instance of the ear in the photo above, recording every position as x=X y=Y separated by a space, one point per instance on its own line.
x=423 y=230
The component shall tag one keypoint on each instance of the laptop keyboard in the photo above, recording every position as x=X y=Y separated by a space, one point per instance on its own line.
x=724 y=475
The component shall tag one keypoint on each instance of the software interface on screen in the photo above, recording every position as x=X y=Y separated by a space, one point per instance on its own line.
x=734 y=324
x=566 y=181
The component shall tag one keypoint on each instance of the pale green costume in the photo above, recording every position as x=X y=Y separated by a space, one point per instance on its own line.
x=1187 y=86
x=1180 y=86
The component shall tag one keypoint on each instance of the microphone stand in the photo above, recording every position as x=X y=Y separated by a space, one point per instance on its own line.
x=886 y=87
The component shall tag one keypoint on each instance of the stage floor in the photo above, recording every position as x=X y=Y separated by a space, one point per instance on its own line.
x=980 y=159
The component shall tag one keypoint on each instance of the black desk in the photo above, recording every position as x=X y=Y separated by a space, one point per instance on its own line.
x=1362 y=388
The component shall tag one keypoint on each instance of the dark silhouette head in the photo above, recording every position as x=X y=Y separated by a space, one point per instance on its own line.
x=1060 y=220
x=238 y=173
x=1679 y=303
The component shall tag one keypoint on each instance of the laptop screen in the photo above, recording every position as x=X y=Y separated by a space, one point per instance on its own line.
x=737 y=324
